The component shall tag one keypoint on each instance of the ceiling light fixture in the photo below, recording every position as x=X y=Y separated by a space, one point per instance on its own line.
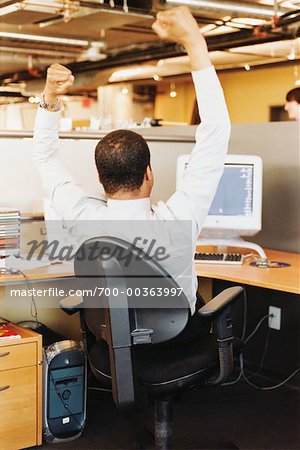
x=133 y=73
x=296 y=75
x=10 y=8
x=292 y=55
x=230 y=7
x=247 y=67
x=173 y=92
x=50 y=39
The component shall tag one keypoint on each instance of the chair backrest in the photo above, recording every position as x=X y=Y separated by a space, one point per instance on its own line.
x=128 y=299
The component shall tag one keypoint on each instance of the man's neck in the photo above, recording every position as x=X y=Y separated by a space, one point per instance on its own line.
x=127 y=196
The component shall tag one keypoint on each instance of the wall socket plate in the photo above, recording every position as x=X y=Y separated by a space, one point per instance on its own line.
x=275 y=321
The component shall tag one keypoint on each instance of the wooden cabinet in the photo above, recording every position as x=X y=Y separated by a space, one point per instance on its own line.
x=21 y=390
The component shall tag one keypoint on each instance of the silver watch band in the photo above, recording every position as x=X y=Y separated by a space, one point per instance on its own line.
x=50 y=106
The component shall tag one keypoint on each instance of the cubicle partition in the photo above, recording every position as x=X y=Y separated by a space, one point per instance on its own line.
x=276 y=143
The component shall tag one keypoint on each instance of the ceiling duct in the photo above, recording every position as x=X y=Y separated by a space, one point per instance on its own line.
x=219 y=9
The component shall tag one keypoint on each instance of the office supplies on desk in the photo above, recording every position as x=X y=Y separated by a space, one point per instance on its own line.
x=6 y=332
x=219 y=258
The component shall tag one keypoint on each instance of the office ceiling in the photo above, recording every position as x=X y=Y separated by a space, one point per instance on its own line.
x=106 y=35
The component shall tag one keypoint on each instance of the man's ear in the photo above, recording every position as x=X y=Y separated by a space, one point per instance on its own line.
x=149 y=174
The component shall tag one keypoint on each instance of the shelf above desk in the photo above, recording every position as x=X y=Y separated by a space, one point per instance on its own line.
x=286 y=279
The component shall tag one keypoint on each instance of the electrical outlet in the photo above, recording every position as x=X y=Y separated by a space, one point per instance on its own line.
x=275 y=320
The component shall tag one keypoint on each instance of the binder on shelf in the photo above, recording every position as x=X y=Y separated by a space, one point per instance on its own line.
x=10 y=223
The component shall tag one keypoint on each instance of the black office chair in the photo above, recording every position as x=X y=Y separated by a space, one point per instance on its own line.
x=132 y=339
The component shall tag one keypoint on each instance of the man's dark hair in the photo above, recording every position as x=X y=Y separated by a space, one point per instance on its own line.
x=293 y=95
x=122 y=158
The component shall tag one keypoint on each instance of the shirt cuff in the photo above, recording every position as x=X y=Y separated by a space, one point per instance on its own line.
x=47 y=119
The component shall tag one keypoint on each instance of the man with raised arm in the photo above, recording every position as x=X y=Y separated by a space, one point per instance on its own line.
x=123 y=159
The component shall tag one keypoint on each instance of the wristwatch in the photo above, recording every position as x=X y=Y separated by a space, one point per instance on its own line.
x=54 y=107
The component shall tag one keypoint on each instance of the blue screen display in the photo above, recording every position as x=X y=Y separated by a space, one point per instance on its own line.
x=234 y=196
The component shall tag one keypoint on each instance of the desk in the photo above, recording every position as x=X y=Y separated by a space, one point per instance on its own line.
x=286 y=279
x=42 y=274
x=265 y=287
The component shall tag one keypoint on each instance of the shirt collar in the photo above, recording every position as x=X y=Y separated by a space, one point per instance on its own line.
x=134 y=204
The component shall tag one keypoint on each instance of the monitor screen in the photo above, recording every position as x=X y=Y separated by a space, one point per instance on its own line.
x=234 y=196
x=236 y=207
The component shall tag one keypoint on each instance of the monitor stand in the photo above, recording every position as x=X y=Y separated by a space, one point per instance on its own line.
x=232 y=242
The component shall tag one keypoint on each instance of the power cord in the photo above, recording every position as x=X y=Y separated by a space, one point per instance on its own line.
x=266 y=388
x=33 y=307
x=230 y=383
x=242 y=374
x=93 y=388
x=257 y=327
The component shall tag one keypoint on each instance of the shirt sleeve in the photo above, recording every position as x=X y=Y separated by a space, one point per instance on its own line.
x=67 y=197
x=196 y=190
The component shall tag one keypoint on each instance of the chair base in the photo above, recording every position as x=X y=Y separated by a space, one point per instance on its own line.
x=145 y=441
x=219 y=446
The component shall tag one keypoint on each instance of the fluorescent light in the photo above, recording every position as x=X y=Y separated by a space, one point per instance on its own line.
x=248 y=21
x=133 y=73
x=207 y=28
x=227 y=6
x=223 y=29
x=54 y=40
x=9 y=9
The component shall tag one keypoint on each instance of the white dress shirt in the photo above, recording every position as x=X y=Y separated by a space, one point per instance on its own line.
x=190 y=203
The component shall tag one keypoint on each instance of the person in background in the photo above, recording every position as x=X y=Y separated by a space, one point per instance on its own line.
x=292 y=105
x=123 y=162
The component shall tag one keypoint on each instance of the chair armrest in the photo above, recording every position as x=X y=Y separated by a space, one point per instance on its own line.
x=219 y=310
x=217 y=305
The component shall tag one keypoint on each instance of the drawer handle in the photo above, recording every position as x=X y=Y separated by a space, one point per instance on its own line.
x=4 y=354
x=4 y=388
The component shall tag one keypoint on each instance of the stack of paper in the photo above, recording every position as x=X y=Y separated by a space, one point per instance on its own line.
x=9 y=232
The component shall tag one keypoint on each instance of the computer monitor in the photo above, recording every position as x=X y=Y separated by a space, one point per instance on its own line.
x=236 y=207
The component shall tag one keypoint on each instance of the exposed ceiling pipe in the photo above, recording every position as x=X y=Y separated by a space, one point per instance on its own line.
x=227 y=8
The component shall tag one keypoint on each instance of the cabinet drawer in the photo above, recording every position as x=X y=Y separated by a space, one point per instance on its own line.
x=19 y=355
x=18 y=415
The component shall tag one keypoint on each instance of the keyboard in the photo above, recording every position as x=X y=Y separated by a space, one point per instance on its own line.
x=219 y=258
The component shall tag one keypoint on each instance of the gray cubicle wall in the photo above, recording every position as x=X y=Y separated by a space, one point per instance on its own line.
x=276 y=143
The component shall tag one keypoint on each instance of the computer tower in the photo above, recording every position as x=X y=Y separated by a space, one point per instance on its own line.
x=64 y=391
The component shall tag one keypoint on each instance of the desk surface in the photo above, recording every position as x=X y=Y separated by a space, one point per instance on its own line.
x=285 y=279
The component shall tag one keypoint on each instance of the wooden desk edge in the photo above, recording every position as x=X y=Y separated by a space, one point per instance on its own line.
x=282 y=288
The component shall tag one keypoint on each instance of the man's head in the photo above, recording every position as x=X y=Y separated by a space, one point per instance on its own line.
x=292 y=105
x=123 y=162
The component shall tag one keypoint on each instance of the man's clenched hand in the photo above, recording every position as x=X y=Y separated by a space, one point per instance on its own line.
x=178 y=24
x=58 y=81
